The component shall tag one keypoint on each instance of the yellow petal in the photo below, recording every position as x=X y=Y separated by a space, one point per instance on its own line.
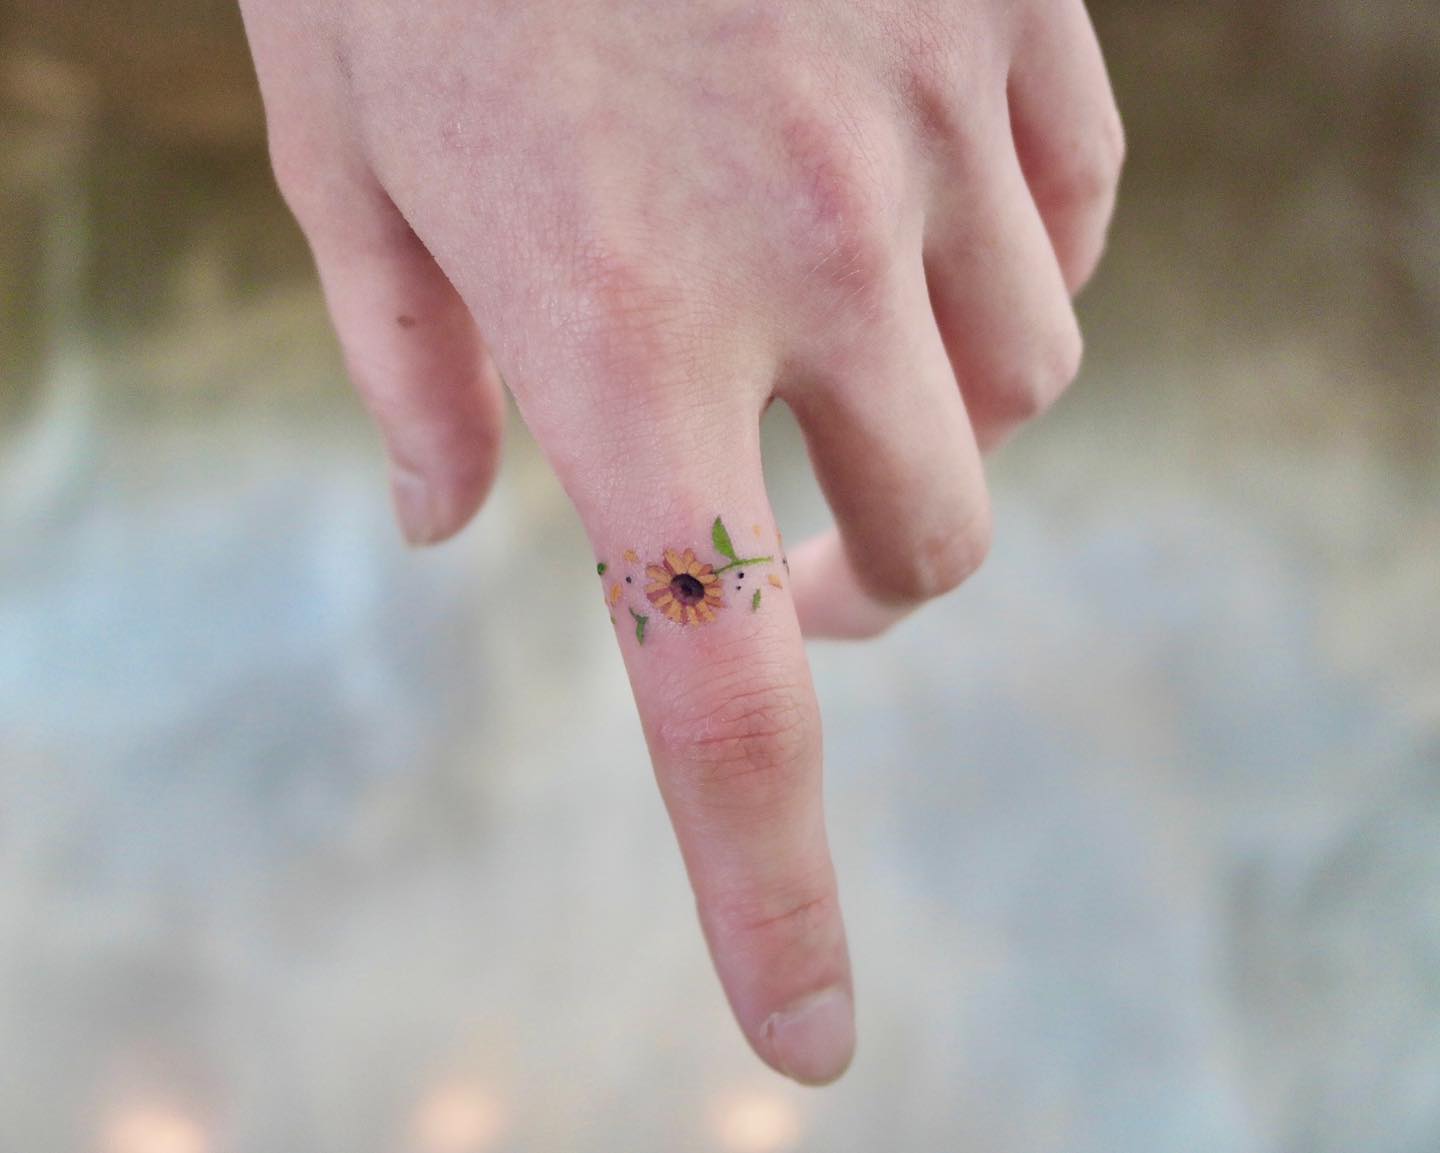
x=673 y=611
x=673 y=561
x=630 y=557
x=614 y=594
x=776 y=581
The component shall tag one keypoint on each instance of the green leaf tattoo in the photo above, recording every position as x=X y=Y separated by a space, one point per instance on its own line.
x=600 y=568
x=640 y=623
x=755 y=601
x=720 y=537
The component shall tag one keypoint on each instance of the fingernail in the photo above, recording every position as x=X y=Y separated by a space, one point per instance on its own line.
x=415 y=506
x=813 y=1040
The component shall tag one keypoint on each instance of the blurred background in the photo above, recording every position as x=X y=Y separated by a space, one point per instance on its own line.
x=1139 y=833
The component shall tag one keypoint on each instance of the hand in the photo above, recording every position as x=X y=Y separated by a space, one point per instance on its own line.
x=659 y=216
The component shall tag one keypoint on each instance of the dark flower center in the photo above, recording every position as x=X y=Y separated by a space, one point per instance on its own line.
x=687 y=590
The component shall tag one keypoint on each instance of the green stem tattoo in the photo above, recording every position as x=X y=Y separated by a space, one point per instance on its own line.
x=720 y=538
x=743 y=561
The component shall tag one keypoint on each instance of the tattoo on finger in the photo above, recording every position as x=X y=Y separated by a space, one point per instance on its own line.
x=681 y=588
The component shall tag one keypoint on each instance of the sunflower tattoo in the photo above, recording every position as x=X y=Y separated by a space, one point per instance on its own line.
x=684 y=589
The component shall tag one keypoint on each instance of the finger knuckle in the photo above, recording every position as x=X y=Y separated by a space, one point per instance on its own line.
x=931 y=44
x=1055 y=368
x=746 y=739
x=945 y=561
x=623 y=316
x=932 y=563
x=1034 y=386
x=844 y=208
x=1093 y=174
x=951 y=561
x=1112 y=146
x=938 y=62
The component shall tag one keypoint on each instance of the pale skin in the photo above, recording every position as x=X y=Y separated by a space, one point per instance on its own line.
x=653 y=219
